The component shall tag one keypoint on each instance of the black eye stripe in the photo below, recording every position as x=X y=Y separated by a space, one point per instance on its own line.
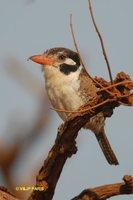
x=67 y=69
x=74 y=56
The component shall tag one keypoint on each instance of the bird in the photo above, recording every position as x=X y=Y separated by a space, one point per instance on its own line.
x=69 y=86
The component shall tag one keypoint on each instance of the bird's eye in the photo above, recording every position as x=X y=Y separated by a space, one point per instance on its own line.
x=62 y=57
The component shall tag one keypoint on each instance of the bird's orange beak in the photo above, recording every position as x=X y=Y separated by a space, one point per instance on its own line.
x=42 y=59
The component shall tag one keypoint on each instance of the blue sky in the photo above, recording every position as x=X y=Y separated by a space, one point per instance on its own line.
x=31 y=27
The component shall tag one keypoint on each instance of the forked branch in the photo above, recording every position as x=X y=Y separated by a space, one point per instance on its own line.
x=65 y=144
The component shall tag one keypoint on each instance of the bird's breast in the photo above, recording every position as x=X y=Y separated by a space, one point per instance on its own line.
x=65 y=95
x=68 y=92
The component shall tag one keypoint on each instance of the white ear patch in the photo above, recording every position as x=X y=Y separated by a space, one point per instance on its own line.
x=69 y=61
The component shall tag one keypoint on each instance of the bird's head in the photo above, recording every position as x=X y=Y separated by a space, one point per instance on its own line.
x=64 y=60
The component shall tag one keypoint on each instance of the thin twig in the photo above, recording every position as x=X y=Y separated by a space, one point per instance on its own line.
x=76 y=46
x=101 y=41
x=116 y=84
x=117 y=95
x=84 y=110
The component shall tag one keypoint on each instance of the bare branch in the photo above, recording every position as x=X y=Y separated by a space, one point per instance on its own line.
x=65 y=144
x=113 y=96
x=107 y=191
x=101 y=40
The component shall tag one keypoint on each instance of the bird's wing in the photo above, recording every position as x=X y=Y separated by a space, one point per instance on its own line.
x=87 y=86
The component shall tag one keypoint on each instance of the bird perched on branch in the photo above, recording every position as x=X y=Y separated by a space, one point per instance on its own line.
x=69 y=87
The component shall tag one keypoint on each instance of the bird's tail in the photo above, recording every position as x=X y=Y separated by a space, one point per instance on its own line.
x=106 y=148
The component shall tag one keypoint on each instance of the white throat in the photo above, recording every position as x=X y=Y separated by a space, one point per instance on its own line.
x=55 y=78
x=63 y=90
